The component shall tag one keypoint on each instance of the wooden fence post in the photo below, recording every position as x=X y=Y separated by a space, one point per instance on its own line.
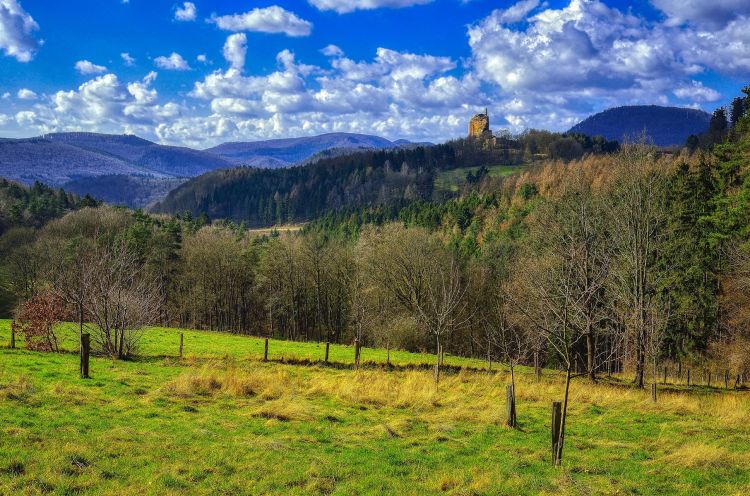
x=556 y=424
x=726 y=379
x=511 y=405
x=688 y=377
x=85 y=351
x=356 y=353
x=537 y=367
x=328 y=347
x=665 y=375
x=12 y=336
x=265 y=351
x=182 y=342
x=388 y=354
x=709 y=378
x=653 y=392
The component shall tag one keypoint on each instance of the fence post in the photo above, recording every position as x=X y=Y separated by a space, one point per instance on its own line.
x=388 y=354
x=709 y=378
x=182 y=342
x=12 y=336
x=265 y=351
x=537 y=367
x=665 y=375
x=653 y=392
x=726 y=379
x=511 y=405
x=328 y=347
x=556 y=424
x=85 y=351
x=356 y=353
x=688 y=377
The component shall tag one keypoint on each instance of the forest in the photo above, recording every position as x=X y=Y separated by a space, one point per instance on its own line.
x=264 y=197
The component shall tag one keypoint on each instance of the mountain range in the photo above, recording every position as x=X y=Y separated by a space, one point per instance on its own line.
x=126 y=169
x=662 y=126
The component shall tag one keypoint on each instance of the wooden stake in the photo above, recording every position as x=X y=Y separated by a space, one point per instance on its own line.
x=85 y=351
x=182 y=342
x=388 y=354
x=688 y=377
x=665 y=375
x=328 y=347
x=265 y=351
x=12 y=336
x=510 y=405
x=556 y=424
x=356 y=353
x=653 y=392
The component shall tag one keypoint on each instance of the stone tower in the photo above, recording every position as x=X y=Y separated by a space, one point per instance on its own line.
x=479 y=126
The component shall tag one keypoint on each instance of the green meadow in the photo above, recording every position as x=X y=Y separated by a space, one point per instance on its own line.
x=219 y=420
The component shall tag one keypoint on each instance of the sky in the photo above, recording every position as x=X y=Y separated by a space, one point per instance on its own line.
x=205 y=72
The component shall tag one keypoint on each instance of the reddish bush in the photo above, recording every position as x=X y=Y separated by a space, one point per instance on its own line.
x=36 y=319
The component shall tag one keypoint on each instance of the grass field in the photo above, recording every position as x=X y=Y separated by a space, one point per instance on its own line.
x=452 y=180
x=220 y=421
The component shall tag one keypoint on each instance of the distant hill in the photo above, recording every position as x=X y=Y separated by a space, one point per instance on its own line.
x=273 y=154
x=665 y=126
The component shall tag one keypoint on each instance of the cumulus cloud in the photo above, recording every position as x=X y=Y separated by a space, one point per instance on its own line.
x=188 y=12
x=715 y=13
x=272 y=19
x=87 y=67
x=696 y=92
x=26 y=94
x=235 y=50
x=127 y=59
x=173 y=62
x=332 y=51
x=346 y=6
x=17 y=31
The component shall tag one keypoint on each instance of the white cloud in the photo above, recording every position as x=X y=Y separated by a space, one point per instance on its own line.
x=715 y=14
x=26 y=94
x=235 y=50
x=346 y=6
x=517 y=12
x=332 y=51
x=6 y=95
x=127 y=59
x=17 y=30
x=86 y=67
x=696 y=92
x=188 y=12
x=202 y=58
x=174 y=62
x=272 y=19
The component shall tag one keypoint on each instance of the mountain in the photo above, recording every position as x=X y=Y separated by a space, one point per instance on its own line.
x=172 y=161
x=39 y=159
x=665 y=126
x=122 y=169
x=278 y=153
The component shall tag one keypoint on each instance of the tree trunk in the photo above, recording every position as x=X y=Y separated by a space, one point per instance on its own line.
x=558 y=458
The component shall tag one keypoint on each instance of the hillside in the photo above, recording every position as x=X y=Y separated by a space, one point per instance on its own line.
x=283 y=152
x=38 y=159
x=665 y=126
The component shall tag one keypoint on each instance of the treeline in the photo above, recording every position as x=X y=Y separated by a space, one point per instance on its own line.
x=36 y=205
x=263 y=197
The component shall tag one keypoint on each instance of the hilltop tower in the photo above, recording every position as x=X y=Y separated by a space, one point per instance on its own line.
x=479 y=126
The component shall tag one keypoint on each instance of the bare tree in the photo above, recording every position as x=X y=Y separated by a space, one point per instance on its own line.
x=637 y=219
x=121 y=300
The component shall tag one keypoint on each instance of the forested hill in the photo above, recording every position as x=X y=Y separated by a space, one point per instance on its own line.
x=665 y=126
x=263 y=197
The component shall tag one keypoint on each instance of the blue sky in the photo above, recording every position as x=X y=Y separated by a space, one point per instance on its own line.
x=203 y=72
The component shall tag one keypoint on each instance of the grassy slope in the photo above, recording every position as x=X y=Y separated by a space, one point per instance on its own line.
x=221 y=422
x=452 y=180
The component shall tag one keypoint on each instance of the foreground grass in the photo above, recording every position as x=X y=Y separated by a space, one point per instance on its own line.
x=230 y=424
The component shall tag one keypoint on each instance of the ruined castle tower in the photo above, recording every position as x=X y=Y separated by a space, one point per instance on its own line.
x=479 y=126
